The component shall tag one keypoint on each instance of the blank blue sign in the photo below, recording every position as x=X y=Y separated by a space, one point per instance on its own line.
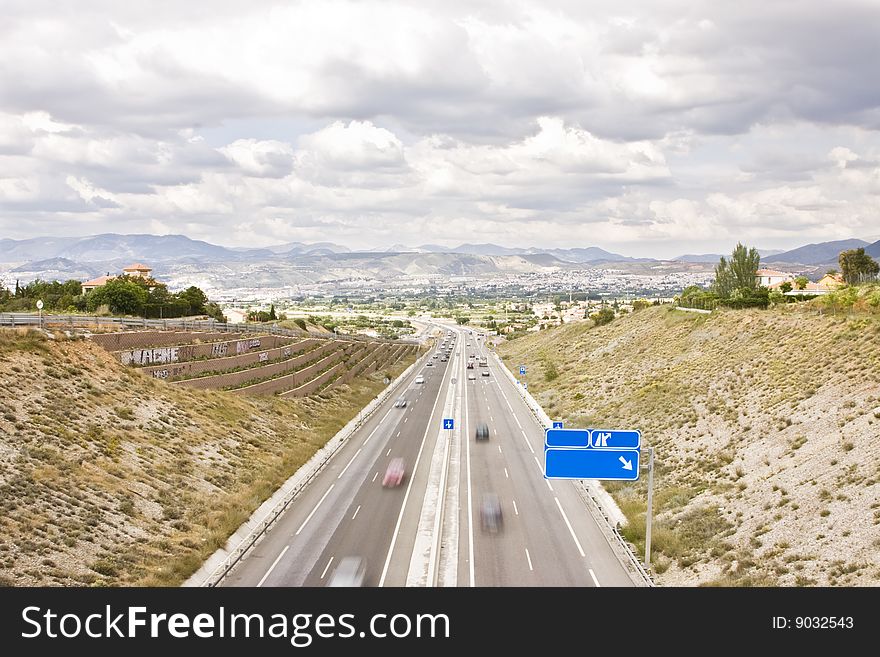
x=567 y=438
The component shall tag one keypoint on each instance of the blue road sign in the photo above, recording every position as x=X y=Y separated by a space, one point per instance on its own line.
x=566 y=437
x=448 y=423
x=608 y=464
x=616 y=439
x=557 y=425
x=522 y=370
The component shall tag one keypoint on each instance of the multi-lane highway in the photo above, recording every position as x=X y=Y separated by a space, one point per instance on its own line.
x=428 y=530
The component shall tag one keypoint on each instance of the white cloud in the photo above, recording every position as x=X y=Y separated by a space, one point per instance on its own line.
x=651 y=124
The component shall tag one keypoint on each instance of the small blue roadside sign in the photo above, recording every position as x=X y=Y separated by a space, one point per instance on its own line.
x=448 y=423
x=557 y=424
x=522 y=370
x=616 y=439
x=567 y=437
x=607 y=464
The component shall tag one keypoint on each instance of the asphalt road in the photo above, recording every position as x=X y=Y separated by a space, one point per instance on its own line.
x=428 y=530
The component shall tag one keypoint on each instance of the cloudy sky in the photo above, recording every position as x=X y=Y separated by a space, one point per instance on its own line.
x=648 y=128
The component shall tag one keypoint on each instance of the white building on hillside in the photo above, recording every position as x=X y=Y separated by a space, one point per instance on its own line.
x=768 y=277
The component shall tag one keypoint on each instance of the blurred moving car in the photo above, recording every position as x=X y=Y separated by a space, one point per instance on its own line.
x=349 y=572
x=420 y=379
x=400 y=403
x=491 y=519
x=394 y=473
x=482 y=432
x=485 y=373
x=472 y=376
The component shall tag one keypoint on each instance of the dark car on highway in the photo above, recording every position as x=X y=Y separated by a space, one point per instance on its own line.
x=482 y=432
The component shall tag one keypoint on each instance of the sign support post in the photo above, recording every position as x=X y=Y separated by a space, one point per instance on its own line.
x=650 y=512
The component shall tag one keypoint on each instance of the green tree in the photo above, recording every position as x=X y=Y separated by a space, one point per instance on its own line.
x=785 y=287
x=640 y=304
x=723 y=285
x=272 y=315
x=462 y=319
x=603 y=316
x=744 y=263
x=738 y=273
x=122 y=295
x=857 y=266
x=195 y=298
x=801 y=282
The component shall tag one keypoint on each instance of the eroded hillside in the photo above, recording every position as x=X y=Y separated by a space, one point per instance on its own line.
x=767 y=431
x=111 y=477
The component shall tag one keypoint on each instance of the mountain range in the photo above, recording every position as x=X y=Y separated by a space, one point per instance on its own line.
x=299 y=262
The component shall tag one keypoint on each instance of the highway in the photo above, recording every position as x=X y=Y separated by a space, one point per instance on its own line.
x=428 y=531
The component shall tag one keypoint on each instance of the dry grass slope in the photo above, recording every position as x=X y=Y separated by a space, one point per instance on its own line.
x=766 y=425
x=108 y=477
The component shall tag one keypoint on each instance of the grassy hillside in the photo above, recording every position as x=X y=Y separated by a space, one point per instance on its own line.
x=766 y=426
x=109 y=477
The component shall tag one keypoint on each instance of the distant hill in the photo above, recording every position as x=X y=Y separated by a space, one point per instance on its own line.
x=699 y=257
x=66 y=268
x=817 y=254
x=873 y=250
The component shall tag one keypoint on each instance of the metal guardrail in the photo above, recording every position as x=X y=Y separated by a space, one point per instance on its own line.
x=14 y=320
x=236 y=555
x=610 y=531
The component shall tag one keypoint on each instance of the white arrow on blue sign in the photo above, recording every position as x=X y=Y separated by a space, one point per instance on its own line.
x=448 y=423
x=607 y=464
x=616 y=439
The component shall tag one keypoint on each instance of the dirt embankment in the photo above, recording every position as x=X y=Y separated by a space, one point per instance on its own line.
x=109 y=477
x=766 y=426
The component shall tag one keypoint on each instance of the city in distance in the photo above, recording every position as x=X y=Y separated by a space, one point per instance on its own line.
x=459 y=296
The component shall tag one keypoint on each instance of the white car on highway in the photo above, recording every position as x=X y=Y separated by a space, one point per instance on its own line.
x=420 y=379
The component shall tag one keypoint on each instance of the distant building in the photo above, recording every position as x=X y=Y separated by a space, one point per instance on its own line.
x=88 y=286
x=771 y=277
x=137 y=270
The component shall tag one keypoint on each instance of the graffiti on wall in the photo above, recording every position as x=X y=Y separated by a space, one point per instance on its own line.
x=264 y=356
x=153 y=356
x=160 y=374
x=219 y=350
x=243 y=346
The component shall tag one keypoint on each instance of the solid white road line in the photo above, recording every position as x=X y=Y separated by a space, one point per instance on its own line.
x=570 y=528
x=374 y=476
x=593 y=575
x=313 y=510
x=356 y=512
x=349 y=463
x=326 y=568
x=272 y=567
x=528 y=558
x=515 y=510
x=470 y=503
